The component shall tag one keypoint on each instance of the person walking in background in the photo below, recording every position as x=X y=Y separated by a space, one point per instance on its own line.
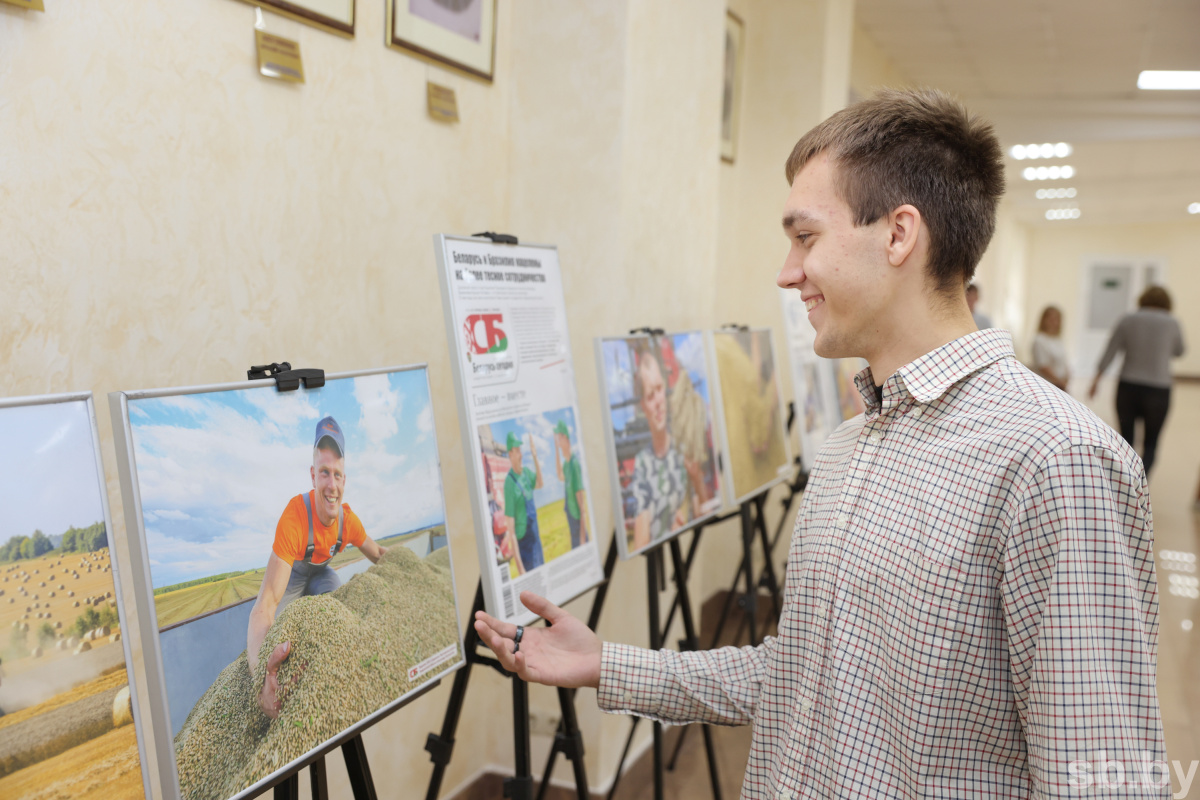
x=982 y=320
x=1149 y=337
x=1049 y=354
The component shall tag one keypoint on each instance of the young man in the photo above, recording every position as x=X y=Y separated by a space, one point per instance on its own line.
x=314 y=527
x=668 y=489
x=520 y=511
x=567 y=468
x=971 y=608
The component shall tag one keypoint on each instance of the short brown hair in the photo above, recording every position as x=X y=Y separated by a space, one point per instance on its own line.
x=1155 y=297
x=919 y=147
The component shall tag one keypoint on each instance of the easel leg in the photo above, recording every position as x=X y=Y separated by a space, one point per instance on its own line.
x=653 y=562
x=692 y=641
x=748 y=563
x=520 y=786
x=357 y=768
x=318 y=781
x=289 y=788
x=441 y=746
x=772 y=579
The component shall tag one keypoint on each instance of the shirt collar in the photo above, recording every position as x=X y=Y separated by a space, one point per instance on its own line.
x=930 y=376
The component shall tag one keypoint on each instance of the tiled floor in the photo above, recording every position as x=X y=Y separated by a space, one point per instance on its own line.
x=1177 y=531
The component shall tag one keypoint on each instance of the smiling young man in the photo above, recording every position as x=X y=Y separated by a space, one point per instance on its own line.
x=314 y=527
x=971 y=606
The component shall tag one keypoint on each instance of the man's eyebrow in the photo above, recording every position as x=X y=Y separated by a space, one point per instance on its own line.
x=794 y=219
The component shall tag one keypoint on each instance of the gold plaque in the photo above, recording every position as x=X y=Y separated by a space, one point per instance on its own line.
x=279 y=58
x=443 y=105
x=32 y=5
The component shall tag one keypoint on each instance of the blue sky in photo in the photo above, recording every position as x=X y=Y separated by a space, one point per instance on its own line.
x=51 y=467
x=216 y=470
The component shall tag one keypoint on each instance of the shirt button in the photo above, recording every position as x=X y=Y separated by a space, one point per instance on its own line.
x=784 y=796
x=821 y=613
x=916 y=412
x=805 y=705
x=842 y=521
x=875 y=438
x=627 y=696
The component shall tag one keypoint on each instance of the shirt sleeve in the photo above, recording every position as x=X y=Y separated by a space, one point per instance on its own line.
x=356 y=534
x=718 y=687
x=510 y=497
x=1081 y=614
x=1115 y=342
x=288 y=533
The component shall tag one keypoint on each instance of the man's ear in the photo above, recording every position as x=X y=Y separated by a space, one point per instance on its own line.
x=905 y=225
x=312 y=473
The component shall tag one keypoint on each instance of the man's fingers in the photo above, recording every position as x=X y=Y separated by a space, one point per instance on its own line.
x=542 y=607
x=278 y=656
x=502 y=647
x=505 y=629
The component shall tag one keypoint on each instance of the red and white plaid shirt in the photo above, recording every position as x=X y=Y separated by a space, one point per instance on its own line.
x=971 y=606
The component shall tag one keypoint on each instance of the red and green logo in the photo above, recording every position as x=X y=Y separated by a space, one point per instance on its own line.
x=484 y=334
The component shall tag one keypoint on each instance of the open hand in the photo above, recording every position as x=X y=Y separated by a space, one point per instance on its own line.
x=565 y=654
x=268 y=698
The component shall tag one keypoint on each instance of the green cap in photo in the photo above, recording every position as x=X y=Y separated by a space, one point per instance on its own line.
x=513 y=441
x=561 y=427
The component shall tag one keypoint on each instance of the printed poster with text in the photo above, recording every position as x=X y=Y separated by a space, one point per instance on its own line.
x=507 y=324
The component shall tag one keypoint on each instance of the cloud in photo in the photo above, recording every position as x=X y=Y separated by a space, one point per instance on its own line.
x=216 y=470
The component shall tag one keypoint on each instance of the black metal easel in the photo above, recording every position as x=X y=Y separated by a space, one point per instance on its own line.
x=568 y=740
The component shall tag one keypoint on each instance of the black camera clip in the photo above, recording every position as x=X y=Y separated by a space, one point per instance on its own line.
x=286 y=378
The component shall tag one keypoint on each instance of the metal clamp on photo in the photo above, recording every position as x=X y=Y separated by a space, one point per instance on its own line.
x=286 y=378
x=648 y=331
x=733 y=326
x=498 y=238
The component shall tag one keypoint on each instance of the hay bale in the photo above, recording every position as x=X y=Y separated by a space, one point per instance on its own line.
x=114 y=638
x=351 y=651
x=122 y=709
x=36 y=652
x=82 y=648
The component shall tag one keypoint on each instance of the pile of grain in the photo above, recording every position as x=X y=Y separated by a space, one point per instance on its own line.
x=351 y=650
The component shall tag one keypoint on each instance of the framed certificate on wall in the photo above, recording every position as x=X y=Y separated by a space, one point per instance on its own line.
x=334 y=16
x=458 y=33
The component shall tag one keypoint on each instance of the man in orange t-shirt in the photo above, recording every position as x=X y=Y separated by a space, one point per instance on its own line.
x=314 y=528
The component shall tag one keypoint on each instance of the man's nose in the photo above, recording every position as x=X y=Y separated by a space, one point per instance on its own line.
x=791 y=274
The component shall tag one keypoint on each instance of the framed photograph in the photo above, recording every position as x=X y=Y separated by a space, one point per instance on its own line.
x=753 y=425
x=507 y=327
x=663 y=462
x=814 y=380
x=458 y=33
x=334 y=16
x=731 y=96
x=69 y=722
x=295 y=567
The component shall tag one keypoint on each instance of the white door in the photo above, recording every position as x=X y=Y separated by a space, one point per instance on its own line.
x=1110 y=286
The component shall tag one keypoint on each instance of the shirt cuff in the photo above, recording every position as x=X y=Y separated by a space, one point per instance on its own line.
x=630 y=680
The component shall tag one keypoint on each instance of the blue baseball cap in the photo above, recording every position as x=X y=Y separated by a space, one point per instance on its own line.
x=329 y=429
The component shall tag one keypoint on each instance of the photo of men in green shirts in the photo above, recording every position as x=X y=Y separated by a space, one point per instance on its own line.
x=520 y=511
x=566 y=466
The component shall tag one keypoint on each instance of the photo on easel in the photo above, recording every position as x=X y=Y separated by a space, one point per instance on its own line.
x=299 y=563
x=663 y=462
x=752 y=416
x=68 y=723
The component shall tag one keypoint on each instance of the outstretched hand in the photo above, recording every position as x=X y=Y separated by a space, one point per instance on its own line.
x=565 y=654
x=268 y=698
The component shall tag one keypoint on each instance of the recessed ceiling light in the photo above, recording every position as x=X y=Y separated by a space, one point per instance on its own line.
x=1168 y=79
x=1055 y=194
x=1062 y=213
x=1194 y=208
x=1045 y=150
x=1066 y=171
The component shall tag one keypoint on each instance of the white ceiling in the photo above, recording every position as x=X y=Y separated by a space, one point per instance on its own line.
x=1065 y=70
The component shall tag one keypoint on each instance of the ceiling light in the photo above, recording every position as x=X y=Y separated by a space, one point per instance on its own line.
x=1168 y=79
x=1069 y=192
x=1048 y=173
x=1058 y=194
x=1062 y=150
x=1042 y=173
x=1062 y=213
x=1018 y=152
x=1194 y=208
x=1045 y=150
x=1068 y=171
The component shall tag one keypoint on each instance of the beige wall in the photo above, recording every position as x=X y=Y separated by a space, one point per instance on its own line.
x=170 y=218
x=871 y=69
x=1057 y=253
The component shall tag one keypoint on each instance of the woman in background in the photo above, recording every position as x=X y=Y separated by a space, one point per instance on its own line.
x=1149 y=337
x=1049 y=354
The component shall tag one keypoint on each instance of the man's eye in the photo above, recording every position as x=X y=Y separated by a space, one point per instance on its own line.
x=803 y=238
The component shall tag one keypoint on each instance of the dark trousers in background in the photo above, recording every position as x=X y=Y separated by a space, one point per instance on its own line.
x=1150 y=404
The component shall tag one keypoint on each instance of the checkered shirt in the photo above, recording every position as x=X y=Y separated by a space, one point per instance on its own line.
x=971 y=607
